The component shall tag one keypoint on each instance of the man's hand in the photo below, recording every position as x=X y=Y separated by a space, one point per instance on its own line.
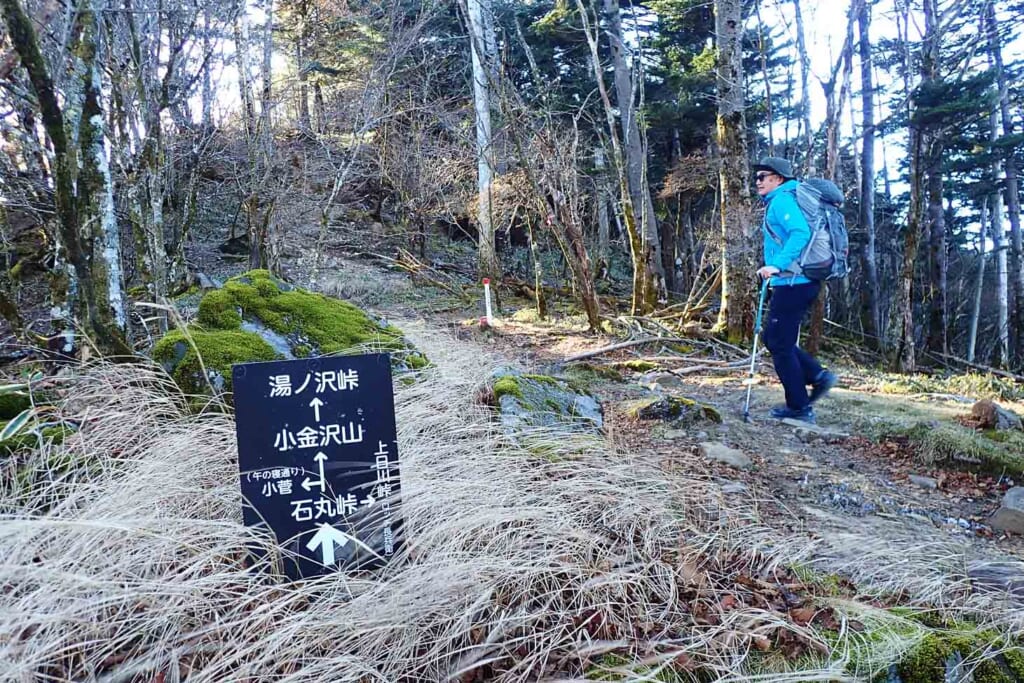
x=767 y=271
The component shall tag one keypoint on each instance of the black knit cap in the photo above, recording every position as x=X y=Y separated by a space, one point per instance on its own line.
x=776 y=165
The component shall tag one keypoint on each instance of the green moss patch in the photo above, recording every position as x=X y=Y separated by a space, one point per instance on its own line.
x=991 y=452
x=615 y=667
x=676 y=409
x=588 y=373
x=12 y=403
x=507 y=386
x=990 y=660
x=639 y=365
x=323 y=324
x=931 y=428
x=218 y=350
x=257 y=317
x=970 y=384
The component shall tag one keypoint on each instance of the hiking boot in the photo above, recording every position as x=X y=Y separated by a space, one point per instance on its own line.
x=821 y=386
x=802 y=414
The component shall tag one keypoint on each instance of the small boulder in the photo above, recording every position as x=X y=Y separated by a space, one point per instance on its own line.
x=205 y=282
x=1010 y=516
x=806 y=432
x=541 y=400
x=681 y=412
x=732 y=457
x=660 y=380
x=923 y=482
x=988 y=414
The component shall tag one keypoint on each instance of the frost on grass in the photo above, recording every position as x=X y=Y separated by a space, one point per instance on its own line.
x=133 y=563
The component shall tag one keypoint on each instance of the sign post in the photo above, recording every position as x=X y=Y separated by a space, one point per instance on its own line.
x=487 y=301
x=318 y=460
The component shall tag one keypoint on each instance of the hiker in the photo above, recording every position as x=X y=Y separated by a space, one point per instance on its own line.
x=791 y=294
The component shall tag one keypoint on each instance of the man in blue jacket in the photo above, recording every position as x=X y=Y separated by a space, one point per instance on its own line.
x=786 y=233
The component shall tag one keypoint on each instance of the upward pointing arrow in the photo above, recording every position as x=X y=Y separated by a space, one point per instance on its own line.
x=326 y=537
x=316 y=404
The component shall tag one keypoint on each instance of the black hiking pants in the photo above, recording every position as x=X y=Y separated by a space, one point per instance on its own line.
x=795 y=367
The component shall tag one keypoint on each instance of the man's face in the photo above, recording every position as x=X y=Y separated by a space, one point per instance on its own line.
x=766 y=181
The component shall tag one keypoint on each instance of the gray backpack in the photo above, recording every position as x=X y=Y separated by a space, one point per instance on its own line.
x=827 y=255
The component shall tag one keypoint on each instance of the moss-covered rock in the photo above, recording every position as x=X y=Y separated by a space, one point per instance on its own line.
x=258 y=317
x=985 y=451
x=587 y=373
x=680 y=411
x=639 y=365
x=542 y=400
x=304 y=318
x=959 y=648
x=209 y=370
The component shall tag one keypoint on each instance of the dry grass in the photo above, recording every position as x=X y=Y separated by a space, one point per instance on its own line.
x=132 y=563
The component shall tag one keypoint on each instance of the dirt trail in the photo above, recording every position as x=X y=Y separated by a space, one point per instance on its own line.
x=854 y=496
x=851 y=495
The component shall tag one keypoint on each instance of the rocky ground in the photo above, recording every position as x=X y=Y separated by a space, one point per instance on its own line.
x=895 y=515
x=824 y=483
x=833 y=484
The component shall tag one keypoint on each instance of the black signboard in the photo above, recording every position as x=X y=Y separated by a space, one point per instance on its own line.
x=318 y=459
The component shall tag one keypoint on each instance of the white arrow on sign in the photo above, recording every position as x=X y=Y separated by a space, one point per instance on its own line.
x=322 y=484
x=327 y=537
x=316 y=404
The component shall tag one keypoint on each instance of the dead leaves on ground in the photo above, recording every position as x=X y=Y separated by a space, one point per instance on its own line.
x=785 y=610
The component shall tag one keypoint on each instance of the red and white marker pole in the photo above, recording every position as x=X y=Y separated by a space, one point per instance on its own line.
x=487 y=301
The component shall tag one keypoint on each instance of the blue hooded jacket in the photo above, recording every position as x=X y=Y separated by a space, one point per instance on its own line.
x=784 y=218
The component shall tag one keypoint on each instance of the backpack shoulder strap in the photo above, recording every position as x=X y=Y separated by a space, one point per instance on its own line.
x=768 y=228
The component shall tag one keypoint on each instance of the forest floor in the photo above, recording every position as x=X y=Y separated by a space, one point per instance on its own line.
x=723 y=535
x=848 y=489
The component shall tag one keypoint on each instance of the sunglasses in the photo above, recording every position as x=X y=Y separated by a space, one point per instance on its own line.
x=761 y=176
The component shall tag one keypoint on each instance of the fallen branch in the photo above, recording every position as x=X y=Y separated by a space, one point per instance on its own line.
x=625 y=345
x=684 y=359
x=731 y=367
x=978 y=366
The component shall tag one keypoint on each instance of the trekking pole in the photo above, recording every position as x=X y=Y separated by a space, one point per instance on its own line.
x=753 y=354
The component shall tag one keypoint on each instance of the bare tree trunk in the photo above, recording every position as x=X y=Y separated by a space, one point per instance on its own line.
x=487 y=254
x=870 y=310
x=82 y=200
x=603 y=227
x=207 y=92
x=805 y=93
x=319 y=108
x=638 y=255
x=763 y=54
x=538 y=271
x=738 y=267
x=999 y=248
x=979 y=286
x=938 y=319
x=906 y=356
x=636 y=156
x=96 y=188
x=932 y=157
x=266 y=101
x=241 y=27
x=1012 y=187
x=300 y=65
x=833 y=115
